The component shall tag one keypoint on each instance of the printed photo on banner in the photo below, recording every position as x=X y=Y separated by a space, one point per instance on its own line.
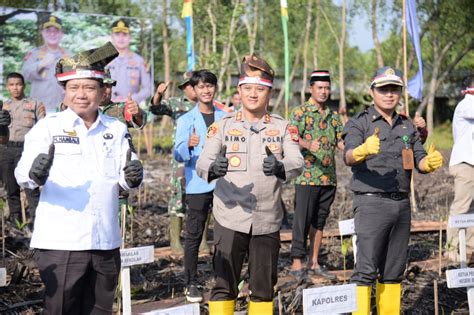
x=33 y=41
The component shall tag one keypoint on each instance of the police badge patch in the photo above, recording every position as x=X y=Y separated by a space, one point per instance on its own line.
x=293 y=130
x=212 y=130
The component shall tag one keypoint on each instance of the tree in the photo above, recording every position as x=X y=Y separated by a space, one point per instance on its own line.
x=448 y=39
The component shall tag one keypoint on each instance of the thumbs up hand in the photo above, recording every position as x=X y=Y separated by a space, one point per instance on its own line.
x=433 y=160
x=271 y=166
x=419 y=121
x=5 y=118
x=369 y=147
x=133 y=171
x=41 y=166
x=193 y=139
x=219 y=166
x=131 y=106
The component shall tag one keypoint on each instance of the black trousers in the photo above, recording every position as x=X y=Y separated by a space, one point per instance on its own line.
x=198 y=208
x=231 y=247
x=312 y=205
x=79 y=282
x=9 y=157
x=382 y=226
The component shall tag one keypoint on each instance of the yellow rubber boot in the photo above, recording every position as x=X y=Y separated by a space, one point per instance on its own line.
x=363 y=300
x=260 y=308
x=388 y=298
x=221 y=307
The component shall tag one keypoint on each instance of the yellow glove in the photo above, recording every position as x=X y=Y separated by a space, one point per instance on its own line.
x=433 y=160
x=370 y=146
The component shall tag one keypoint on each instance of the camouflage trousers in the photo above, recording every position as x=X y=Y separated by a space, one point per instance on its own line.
x=176 y=205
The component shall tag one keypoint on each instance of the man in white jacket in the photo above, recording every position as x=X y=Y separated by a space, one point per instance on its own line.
x=82 y=159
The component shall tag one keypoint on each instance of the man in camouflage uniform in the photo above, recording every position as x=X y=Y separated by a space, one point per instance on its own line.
x=127 y=112
x=319 y=132
x=128 y=69
x=19 y=114
x=175 y=107
x=39 y=65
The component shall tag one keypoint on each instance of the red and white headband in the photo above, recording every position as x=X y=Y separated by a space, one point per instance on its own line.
x=255 y=80
x=80 y=74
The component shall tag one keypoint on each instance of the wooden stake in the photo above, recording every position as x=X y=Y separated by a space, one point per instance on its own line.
x=23 y=210
x=440 y=245
x=435 y=289
x=280 y=307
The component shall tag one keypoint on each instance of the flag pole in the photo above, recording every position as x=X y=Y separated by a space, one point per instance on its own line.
x=405 y=63
x=284 y=22
x=405 y=90
x=187 y=15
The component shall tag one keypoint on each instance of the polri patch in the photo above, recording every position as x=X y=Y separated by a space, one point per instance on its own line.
x=65 y=139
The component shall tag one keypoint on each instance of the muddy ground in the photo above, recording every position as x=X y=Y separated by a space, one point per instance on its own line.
x=163 y=279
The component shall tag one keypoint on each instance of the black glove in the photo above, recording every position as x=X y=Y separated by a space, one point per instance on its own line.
x=160 y=110
x=219 y=167
x=271 y=166
x=133 y=171
x=5 y=118
x=39 y=171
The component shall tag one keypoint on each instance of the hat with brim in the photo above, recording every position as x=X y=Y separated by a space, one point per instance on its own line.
x=186 y=78
x=387 y=76
x=89 y=64
x=52 y=21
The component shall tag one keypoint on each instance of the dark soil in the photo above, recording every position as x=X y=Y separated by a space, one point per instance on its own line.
x=163 y=279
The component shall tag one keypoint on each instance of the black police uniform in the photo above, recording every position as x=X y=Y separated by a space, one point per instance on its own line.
x=381 y=189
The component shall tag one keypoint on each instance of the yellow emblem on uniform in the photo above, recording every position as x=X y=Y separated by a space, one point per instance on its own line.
x=389 y=71
x=72 y=133
x=234 y=161
x=272 y=133
x=212 y=130
x=235 y=147
x=238 y=116
x=234 y=132
x=267 y=118
x=273 y=147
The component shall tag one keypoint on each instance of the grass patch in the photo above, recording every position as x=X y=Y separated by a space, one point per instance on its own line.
x=442 y=136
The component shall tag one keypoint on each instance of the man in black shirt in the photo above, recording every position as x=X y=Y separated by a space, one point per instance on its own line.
x=383 y=148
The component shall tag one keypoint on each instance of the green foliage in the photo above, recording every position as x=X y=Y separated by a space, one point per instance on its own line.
x=20 y=225
x=442 y=136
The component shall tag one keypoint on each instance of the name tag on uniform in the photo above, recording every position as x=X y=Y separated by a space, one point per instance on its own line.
x=407 y=158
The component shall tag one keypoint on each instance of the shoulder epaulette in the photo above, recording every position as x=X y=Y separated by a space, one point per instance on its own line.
x=277 y=116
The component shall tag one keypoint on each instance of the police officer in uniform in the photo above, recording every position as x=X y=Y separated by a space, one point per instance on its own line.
x=20 y=114
x=127 y=112
x=175 y=107
x=39 y=65
x=383 y=148
x=129 y=69
x=250 y=153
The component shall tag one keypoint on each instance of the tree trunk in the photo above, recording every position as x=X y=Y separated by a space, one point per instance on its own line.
x=252 y=27
x=342 y=92
x=316 y=36
x=166 y=49
x=375 y=37
x=305 y=51
x=432 y=86
x=212 y=20
x=228 y=44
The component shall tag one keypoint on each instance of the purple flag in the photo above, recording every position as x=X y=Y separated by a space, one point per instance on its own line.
x=415 y=84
